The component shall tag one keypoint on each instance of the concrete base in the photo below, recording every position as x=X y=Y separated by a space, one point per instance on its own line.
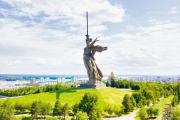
x=93 y=84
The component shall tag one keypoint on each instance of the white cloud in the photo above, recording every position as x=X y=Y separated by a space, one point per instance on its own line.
x=173 y=10
x=154 y=47
x=51 y=40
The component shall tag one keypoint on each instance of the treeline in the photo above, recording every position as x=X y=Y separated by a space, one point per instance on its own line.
x=86 y=109
x=33 y=90
x=159 y=89
x=148 y=92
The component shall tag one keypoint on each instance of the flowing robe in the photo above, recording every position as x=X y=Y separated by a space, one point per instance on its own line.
x=93 y=71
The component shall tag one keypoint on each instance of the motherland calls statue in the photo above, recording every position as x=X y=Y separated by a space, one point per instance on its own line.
x=94 y=73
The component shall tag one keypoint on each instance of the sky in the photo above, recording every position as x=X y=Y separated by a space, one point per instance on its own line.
x=48 y=36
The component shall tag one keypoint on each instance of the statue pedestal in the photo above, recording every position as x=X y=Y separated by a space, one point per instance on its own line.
x=95 y=84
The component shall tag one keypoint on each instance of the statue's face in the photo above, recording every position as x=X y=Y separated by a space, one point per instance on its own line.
x=87 y=40
x=90 y=39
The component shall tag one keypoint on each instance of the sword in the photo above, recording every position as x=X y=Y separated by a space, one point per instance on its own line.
x=87 y=36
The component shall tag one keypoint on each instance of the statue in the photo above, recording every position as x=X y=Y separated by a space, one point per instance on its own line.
x=94 y=73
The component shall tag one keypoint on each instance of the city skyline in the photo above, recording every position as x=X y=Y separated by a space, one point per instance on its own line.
x=48 y=37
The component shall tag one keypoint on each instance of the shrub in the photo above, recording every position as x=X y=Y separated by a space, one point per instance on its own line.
x=82 y=116
x=142 y=114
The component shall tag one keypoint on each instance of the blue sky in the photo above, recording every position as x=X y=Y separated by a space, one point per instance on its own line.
x=48 y=36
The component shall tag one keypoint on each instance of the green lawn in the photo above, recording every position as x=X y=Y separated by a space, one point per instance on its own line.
x=73 y=95
x=163 y=103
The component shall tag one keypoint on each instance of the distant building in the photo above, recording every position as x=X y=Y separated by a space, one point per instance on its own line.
x=58 y=80
x=47 y=79
x=111 y=77
x=63 y=80
x=74 y=79
x=41 y=79
x=33 y=81
x=41 y=84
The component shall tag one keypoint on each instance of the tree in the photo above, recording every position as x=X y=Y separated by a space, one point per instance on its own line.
x=174 y=101
x=150 y=111
x=82 y=116
x=46 y=108
x=133 y=101
x=142 y=114
x=75 y=108
x=35 y=108
x=138 y=97
x=6 y=111
x=88 y=103
x=178 y=91
x=113 y=84
x=18 y=106
x=127 y=103
x=107 y=84
x=39 y=90
x=57 y=108
x=65 y=110
x=156 y=112
x=176 y=114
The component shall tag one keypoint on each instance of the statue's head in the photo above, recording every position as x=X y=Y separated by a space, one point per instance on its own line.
x=88 y=40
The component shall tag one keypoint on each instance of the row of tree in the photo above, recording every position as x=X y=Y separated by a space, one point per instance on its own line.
x=33 y=90
x=87 y=108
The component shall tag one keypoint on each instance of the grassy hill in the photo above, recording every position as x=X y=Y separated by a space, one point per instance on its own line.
x=73 y=95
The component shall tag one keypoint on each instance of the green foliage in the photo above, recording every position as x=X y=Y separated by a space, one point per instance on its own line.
x=65 y=110
x=26 y=118
x=35 y=109
x=133 y=101
x=176 y=114
x=21 y=107
x=52 y=118
x=135 y=87
x=6 y=111
x=109 y=109
x=138 y=97
x=33 y=90
x=94 y=115
x=113 y=83
x=127 y=103
x=73 y=118
x=142 y=114
x=175 y=101
x=46 y=108
x=107 y=84
x=178 y=91
x=57 y=108
x=152 y=111
x=75 y=108
x=156 y=112
x=88 y=103
x=82 y=116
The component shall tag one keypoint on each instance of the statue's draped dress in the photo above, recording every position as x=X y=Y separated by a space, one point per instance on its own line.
x=93 y=71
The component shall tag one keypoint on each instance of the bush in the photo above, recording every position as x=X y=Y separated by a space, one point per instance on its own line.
x=82 y=116
x=109 y=109
x=142 y=114
x=152 y=111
